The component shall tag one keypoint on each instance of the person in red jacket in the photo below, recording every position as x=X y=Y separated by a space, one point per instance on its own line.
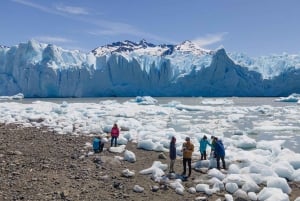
x=115 y=132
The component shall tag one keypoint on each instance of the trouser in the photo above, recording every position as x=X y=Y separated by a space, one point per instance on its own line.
x=189 y=162
x=218 y=161
x=172 y=162
x=101 y=147
x=203 y=155
x=112 y=140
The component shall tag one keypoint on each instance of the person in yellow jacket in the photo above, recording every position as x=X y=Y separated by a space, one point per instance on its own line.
x=187 y=149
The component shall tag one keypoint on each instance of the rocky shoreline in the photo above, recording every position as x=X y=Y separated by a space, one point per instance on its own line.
x=37 y=164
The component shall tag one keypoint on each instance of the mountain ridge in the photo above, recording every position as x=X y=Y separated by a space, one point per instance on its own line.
x=162 y=50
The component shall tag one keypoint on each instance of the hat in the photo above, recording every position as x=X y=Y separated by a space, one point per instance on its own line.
x=187 y=139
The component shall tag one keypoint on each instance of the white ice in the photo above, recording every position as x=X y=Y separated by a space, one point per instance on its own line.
x=129 y=156
x=291 y=98
x=251 y=162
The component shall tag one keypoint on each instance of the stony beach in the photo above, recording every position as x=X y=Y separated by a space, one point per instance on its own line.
x=37 y=164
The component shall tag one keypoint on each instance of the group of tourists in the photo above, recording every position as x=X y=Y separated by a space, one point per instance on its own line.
x=217 y=149
x=98 y=142
x=217 y=152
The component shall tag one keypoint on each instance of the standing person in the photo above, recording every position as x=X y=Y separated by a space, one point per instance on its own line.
x=187 y=149
x=212 y=145
x=203 y=144
x=172 y=154
x=220 y=152
x=115 y=132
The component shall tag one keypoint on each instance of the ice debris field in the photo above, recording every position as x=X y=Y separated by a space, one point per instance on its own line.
x=143 y=120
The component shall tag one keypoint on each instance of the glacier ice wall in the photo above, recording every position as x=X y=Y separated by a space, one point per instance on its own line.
x=45 y=70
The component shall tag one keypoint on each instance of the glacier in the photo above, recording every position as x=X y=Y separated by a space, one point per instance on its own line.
x=126 y=69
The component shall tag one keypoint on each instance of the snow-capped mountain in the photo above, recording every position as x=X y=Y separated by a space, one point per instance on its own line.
x=127 y=47
x=2 y=46
x=131 y=69
x=143 y=47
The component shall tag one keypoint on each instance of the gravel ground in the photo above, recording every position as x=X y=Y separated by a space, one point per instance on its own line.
x=37 y=164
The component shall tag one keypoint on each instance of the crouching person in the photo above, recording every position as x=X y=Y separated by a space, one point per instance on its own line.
x=98 y=145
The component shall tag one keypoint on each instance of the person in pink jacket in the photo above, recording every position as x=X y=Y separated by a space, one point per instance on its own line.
x=115 y=132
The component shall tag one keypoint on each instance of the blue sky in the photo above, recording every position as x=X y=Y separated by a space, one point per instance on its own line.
x=257 y=27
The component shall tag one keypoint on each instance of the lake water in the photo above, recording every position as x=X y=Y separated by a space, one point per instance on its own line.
x=259 y=118
x=247 y=101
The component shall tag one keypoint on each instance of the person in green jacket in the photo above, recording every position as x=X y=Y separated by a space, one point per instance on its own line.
x=212 y=145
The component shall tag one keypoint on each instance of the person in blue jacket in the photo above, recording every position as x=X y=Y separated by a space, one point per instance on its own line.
x=98 y=145
x=202 y=148
x=220 y=152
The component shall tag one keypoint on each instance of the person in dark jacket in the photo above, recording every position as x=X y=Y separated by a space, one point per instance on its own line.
x=172 y=154
x=220 y=152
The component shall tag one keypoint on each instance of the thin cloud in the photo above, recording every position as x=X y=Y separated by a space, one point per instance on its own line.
x=57 y=10
x=36 y=6
x=112 y=28
x=51 y=39
x=72 y=10
x=209 y=39
x=105 y=27
x=115 y=28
